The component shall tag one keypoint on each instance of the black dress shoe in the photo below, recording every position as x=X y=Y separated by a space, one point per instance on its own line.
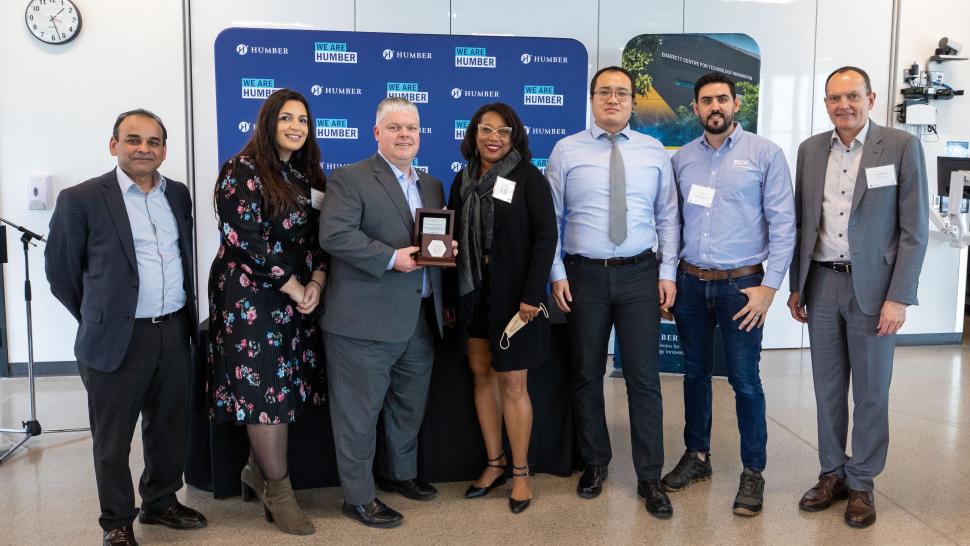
x=517 y=506
x=373 y=514
x=122 y=536
x=591 y=482
x=657 y=502
x=474 y=492
x=412 y=489
x=178 y=516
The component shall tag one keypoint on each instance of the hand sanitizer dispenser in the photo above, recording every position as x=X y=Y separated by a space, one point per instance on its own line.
x=39 y=192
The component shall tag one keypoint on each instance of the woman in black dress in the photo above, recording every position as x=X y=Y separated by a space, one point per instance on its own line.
x=507 y=235
x=265 y=351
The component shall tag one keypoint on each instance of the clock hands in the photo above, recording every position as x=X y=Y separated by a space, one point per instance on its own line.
x=57 y=32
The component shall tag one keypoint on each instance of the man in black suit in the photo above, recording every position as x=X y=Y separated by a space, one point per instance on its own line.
x=119 y=257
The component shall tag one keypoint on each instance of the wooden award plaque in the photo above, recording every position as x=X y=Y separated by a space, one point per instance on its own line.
x=434 y=230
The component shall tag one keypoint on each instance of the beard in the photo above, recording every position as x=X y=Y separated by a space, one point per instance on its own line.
x=728 y=122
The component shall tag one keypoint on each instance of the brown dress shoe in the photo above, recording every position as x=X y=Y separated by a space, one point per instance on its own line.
x=861 y=510
x=122 y=536
x=829 y=488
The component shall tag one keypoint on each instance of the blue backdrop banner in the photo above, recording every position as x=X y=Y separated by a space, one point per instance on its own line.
x=345 y=74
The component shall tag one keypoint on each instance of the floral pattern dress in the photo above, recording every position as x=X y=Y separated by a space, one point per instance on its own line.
x=265 y=357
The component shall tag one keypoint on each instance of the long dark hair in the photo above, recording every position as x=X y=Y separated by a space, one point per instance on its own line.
x=279 y=196
x=520 y=139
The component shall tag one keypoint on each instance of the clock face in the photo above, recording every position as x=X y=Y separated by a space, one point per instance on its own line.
x=53 y=21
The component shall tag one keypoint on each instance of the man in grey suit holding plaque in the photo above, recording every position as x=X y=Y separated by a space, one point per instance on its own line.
x=861 y=214
x=380 y=314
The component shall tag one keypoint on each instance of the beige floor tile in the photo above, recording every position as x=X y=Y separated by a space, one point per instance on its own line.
x=47 y=492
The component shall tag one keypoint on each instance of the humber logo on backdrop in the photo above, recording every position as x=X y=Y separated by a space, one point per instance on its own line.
x=527 y=58
x=244 y=49
x=541 y=95
x=461 y=125
x=407 y=90
x=333 y=52
x=351 y=71
x=390 y=54
x=458 y=93
x=335 y=128
x=318 y=90
x=257 y=88
x=473 y=57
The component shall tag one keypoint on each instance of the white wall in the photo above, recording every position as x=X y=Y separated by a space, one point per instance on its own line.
x=942 y=282
x=57 y=107
x=58 y=102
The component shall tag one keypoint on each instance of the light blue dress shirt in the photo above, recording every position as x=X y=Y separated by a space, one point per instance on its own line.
x=579 y=174
x=752 y=216
x=412 y=193
x=161 y=288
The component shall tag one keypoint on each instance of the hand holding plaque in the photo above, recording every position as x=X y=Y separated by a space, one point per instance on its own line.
x=433 y=232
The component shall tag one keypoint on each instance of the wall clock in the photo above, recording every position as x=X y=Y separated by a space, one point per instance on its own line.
x=53 y=21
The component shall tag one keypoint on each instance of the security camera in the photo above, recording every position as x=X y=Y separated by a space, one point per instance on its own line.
x=949 y=46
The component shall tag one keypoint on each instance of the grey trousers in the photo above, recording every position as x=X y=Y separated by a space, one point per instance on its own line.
x=364 y=378
x=844 y=345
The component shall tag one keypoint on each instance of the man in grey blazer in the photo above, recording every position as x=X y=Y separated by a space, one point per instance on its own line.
x=381 y=313
x=119 y=257
x=861 y=214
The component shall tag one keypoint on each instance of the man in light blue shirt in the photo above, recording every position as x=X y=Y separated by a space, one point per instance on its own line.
x=738 y=212
x=619 y=235
x=156 y=240
x=412 y=194
x=119 y=257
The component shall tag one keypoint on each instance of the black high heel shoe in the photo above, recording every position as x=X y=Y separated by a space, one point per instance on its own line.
x=515 y=505
x=474 y=492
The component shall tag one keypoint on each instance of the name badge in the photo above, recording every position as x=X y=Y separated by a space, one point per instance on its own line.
x=316 y=198
x=701 y=195
x=878 y=177
x=503 y=189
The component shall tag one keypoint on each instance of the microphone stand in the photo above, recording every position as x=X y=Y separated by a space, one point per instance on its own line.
x=31 y=427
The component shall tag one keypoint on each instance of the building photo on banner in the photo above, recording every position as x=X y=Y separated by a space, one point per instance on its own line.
x=665 y=67
x=225 y=322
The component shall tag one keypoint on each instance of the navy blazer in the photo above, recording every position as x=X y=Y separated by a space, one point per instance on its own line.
x=92 y=270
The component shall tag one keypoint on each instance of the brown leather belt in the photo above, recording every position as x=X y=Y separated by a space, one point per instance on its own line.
x=721 y=274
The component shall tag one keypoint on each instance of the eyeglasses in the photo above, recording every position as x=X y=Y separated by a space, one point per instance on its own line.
x=487 y=131
x=851 y=97
x=620 y=94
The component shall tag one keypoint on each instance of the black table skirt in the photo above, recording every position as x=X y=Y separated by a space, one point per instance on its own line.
x=450 y=446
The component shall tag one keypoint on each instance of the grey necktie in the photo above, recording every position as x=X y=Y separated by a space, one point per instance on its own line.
x=617 y=192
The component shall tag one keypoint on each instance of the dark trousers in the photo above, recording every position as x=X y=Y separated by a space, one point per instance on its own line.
x=365 y=378
x=700 y=306
x=152 y=382
x=625 y=296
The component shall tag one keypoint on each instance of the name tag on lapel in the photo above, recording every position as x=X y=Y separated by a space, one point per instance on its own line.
x=316 y=198
x=878 y=177
x=503 y=189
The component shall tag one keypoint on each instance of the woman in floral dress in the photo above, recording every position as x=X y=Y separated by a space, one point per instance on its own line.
x=265 y=352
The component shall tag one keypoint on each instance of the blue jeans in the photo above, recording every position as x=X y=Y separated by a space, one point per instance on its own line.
x=700 y=306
